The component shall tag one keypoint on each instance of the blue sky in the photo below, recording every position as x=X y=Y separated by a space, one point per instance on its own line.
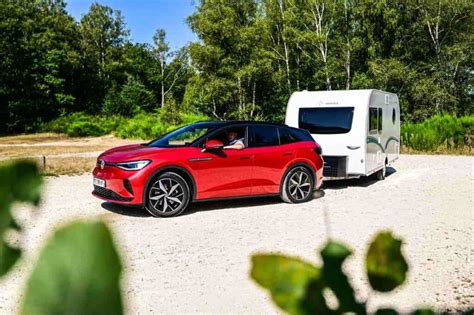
x=143 y=17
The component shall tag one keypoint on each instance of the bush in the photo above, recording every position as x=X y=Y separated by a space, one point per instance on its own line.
x=150 y=126
x=142 y=125
x=83 y=125
x=438 y=133
x=84 y=129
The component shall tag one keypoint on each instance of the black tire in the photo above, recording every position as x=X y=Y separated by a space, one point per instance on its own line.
x=296 y=189
x=168 y=195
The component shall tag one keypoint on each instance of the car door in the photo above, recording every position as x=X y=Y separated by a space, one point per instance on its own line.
x=270 y=158
x=222 y=173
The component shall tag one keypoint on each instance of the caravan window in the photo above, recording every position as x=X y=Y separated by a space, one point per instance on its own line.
x=380 y=120
x=326 y=120
x=373 y=123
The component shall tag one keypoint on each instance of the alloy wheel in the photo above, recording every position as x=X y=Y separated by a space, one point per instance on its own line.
x=166 y=195
x=299 y=185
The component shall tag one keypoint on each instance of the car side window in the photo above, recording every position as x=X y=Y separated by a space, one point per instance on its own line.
x=286 y=136
x=263 y=136
x=224 y=137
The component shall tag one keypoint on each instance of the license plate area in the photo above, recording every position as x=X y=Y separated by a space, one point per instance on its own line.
x=99 y=182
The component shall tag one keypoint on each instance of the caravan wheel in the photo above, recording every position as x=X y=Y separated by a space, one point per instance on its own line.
x=381 y=173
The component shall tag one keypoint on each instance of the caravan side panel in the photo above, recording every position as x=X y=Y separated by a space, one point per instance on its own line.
x=383 y=130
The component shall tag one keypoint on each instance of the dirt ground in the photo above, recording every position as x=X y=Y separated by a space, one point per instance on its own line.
x=199 y=262
x=62 y=155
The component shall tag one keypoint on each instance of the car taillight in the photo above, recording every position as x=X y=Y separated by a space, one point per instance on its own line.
x=318 y=149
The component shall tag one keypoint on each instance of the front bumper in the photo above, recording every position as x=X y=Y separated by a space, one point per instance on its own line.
x=124 y=187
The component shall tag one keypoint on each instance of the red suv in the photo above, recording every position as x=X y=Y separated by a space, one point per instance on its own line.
x=209 y=160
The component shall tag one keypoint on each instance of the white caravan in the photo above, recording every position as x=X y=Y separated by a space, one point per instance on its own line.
x=358 y=130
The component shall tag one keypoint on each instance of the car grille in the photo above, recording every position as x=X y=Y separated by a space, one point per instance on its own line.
x=335 y=166
x=109 y=194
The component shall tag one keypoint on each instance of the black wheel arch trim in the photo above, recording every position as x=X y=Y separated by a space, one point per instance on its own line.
x=292 y=166
x=170 y=168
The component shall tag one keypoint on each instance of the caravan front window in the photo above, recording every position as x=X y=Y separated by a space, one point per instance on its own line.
x=326 y=120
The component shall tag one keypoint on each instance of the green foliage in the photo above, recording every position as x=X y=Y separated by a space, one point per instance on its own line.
x=142 y=125
x=259 y=52
x=299 y=287
x=385 y=264
x=83 y=125
x=78 y=272
x=18 y=182
x=287 y=278
x=169 y=114
x=133 y=98
x=251 y=55
x=150 y=126
x=438 y=132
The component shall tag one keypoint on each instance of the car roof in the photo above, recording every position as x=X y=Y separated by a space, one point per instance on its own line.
x=238 y=122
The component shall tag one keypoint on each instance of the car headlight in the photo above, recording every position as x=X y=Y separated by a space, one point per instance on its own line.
x=133 y=165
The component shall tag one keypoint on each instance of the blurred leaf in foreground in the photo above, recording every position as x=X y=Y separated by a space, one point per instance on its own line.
x=334 y=254
x=293 y=283
x=78 y=272
x=385 y=264
x=19 y=181
x=424 y=311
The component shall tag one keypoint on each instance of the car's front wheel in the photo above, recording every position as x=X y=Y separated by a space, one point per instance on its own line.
x=167 y=196
x=298 y=185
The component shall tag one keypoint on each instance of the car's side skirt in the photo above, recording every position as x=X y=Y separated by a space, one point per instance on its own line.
x=237 y=197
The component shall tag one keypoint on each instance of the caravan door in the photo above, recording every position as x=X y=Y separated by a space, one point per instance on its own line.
x=375 y=151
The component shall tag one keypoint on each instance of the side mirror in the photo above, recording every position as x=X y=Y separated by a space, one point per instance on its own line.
x=213 y=145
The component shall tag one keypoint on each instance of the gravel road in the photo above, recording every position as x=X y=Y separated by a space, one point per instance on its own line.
x=199 y=262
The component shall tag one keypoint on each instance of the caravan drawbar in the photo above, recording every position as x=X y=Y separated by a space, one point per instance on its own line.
x=358 y=130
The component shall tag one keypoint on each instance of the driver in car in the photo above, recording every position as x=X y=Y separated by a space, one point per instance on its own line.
x=233 y=142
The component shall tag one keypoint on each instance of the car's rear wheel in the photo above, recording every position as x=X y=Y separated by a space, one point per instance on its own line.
x=167 y=196
x=298 y=185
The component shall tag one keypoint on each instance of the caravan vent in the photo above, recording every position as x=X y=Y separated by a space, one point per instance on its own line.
x=335 y=166
x=386 y=99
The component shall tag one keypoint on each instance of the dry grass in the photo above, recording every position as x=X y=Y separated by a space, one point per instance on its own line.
x=64 y=155
x=68 y=166
x=465 y=150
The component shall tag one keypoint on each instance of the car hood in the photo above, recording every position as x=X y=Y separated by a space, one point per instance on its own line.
x=131 y=152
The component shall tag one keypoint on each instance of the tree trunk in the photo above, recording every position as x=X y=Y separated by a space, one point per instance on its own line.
x=285 y=46
x=162 y=67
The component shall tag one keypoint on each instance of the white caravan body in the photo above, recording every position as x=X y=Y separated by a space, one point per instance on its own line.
x=358 y=130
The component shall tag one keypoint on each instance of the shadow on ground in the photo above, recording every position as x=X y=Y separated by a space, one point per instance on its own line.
x=125 y=210
x=227 y=204
x=356 y=182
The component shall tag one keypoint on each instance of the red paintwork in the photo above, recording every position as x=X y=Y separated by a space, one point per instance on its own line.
x=230 y=173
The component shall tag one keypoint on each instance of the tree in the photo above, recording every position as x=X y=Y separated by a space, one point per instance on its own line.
x=103 y=36
x=169 y=72
x=38 y=63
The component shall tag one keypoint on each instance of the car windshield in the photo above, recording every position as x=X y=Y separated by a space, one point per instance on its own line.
x=184 y=136
x=326 y=120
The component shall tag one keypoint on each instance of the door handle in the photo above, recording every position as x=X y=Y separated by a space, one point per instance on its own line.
x=245 y=157
x=199 y=159
x=287 y=153
x=351 y=147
